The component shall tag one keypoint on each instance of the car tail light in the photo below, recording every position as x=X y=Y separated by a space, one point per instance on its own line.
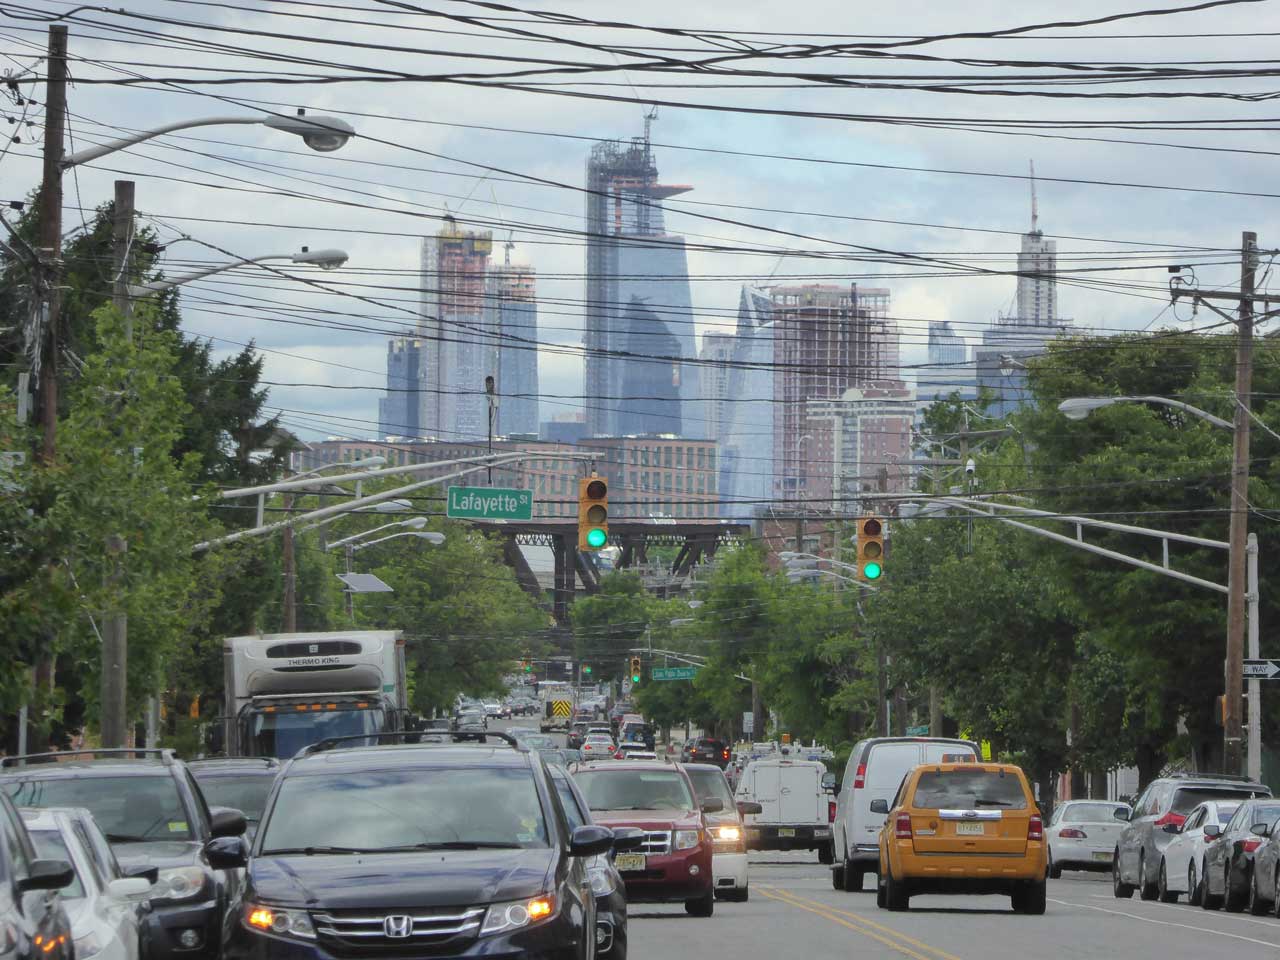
x=1035 y=828
x=831 y=811
x=860 y=778
x=1248 y=846
x=1175 y=818
x=902 y=827
x=1071 y=833
x=619 y=755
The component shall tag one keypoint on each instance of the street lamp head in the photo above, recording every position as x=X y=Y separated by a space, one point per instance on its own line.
x=386 y=506
x=366 y=463
x=325 y=260
x=415 y=523
x=431 y=537
x=1077 y=408
x=320 y=133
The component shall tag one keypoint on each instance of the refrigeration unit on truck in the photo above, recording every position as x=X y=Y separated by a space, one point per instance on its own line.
x=286 y=691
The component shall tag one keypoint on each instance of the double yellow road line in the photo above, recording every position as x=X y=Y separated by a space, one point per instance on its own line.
x=859 y=923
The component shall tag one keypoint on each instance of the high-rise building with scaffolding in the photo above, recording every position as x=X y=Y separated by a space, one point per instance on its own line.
x=511 y=295
x=638 y=315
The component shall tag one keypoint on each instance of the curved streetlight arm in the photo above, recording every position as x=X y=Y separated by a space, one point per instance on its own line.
x=93 y=153
x=159 y=286
x=1077 y=408
x=436 y=538
x=413 y=522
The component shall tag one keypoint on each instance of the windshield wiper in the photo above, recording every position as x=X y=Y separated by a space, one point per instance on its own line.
x=124 y=838
x=452 y=845
x=309 y=851
x=990 y=803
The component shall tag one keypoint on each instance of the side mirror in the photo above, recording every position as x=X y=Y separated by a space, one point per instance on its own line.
x=829 y=781
x=1171 y=828
x=712 y=805
x=226 y=853
x=227 y=822
x=1213 y=830
x=1260 y=830
x=146 y=871
x=1122 y=813
x=627 y=838
x=748 y=808
x=129 y=889
x=879 y=806
x=590 y=840
x=47 y=875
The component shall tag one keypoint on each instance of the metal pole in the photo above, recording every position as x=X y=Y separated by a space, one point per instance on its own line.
x=351 y=595
x=1255 y=685
x=1232 y=745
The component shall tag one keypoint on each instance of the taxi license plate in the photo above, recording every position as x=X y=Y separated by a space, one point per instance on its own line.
x=630 y=861
x=1102 y=855
x=786 y=831
x=970 y=829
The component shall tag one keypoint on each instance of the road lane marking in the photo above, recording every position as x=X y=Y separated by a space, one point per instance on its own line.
x=1225 y=915
x=860 y=918
x=892 y=944
x=1169 y=923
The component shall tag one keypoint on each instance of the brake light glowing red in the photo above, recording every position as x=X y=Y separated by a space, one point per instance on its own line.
x=831 y=811
x=860 y=778
x=1071 y=833
x=902 y=827
x=1171 y=817
x=1035 y=828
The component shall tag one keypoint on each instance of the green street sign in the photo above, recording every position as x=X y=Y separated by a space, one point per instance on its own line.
x=673 y=673
x=922 y=731
x=489 y=503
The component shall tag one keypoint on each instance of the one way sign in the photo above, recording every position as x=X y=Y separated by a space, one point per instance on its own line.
x=1261 y=669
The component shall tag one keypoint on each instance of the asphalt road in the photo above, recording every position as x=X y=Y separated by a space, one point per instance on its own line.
x=794 y=913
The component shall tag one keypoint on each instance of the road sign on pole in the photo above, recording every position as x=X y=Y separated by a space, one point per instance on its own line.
x=673 y=673
x=489 y=503
x=748 y=722
x=1261 y=669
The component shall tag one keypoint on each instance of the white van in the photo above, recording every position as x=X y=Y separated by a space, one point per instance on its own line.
x=796 y=805
x=874 y=772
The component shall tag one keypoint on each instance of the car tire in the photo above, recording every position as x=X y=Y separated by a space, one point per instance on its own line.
x=738 y=895
x=837 y=878
x=703 y=906
x=826 y=854
x=1193 y=885
x=1147 y=889
x=1055 y=871
x=1162 y=885
x=1031 y=898
x=1120 y=889
x=853 y=877
x=1208 y=899
x=896 y=896
x=1232 y=901
x=1255 y=904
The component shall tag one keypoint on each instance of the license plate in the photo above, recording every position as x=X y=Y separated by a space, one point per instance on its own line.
x=630 y=861
x=786 y=832
x=1102 y=855
x=970 y=829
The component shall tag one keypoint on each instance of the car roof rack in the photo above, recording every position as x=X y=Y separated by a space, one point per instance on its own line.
x=1230 y=777
x=330 y=743
x=165 y=754
x=223 y=758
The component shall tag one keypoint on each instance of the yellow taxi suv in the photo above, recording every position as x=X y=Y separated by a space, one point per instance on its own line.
x=968 y=828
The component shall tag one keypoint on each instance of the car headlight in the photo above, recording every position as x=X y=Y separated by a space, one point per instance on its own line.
x=89 y=945
x=179 y=883
x=504 y=917
x=728 y=835
x=687 y=839
x=601 y=876
x=283 y=923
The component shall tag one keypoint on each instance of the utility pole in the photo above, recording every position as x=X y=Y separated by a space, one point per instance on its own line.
x=50 y=235
x=493 y=406
x=290 y=573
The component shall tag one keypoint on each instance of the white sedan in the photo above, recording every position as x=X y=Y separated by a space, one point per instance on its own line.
x=598 y=747
x=103 y=905
x=1083 y=834
x=1181 y=864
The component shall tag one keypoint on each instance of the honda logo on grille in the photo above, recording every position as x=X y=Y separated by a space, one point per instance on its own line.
x=397 y=927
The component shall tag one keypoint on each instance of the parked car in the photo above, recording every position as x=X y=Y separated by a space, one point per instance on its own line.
x=674 y=862
x=705 y=750
x=1083 y=834
x=33 y=921
x=728 y=832
x=1181 y=866
x=1227 y=873
x=1264 y=894
x=1166 y=803
x=598 y=746
x=152 y=812
x=241 y=783
x=797 y=805
x=104 y=906
x=874 y=772
x=963 y=828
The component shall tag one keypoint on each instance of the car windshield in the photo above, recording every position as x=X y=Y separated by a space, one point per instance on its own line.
x=281 y=734
x=968 y=789
x=1185 y=799
x=247 y=793
x=406 y=809
x=52 y=845
x=128 y=809
x=1091 y=813
x=710 y=785
x=634 y=790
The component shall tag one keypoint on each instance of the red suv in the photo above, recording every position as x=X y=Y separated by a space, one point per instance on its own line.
x=674 y=861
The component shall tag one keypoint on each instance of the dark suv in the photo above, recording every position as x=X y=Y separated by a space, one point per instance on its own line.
x=1165 y=804
x=414 y=850
x=34 y=924
x=156 y=819
x=706 y=750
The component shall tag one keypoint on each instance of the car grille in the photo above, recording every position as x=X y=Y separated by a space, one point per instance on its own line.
x=656 y=843
x=362 y=932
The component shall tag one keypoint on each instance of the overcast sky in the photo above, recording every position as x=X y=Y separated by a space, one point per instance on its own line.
x=229 y=186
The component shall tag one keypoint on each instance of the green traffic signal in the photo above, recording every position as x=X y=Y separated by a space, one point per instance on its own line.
x=586 y=669
x=596 y=538
x=871 y=571
x=635 y=678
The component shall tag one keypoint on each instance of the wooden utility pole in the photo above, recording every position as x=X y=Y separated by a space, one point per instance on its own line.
x=49 y=239
x=290 y=573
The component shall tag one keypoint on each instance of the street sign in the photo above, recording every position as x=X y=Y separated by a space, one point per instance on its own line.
x=1261 y=669
x=489 y=503
x=673 y=673
x=748 y=722
x=920 y=731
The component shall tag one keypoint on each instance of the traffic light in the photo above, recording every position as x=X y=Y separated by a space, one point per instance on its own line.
x=635 y=670
x=528 y=667
x=593 y=513
x=870 y=548
x=586 y=669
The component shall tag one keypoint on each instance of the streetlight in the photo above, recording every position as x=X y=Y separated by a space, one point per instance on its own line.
x=324 y=259
x=414 y=525
x=1242 y=557
x=430 y=536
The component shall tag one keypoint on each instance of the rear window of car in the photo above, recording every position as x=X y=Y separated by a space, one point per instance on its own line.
x=1267 y=813
x=1091 y=813
x=247 y=793
x=969 y=789
x=128 y=809
x=1185 y=799
x=887 y=762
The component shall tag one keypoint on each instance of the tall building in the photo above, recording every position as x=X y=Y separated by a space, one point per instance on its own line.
x=400 y=411
x=511 y=296
x=455 y=320
x=826 y=338
x=714 y=368
x=746 y=460
x=947 y=370
x=659 y=475
x=637 y=290
x=870 y=426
